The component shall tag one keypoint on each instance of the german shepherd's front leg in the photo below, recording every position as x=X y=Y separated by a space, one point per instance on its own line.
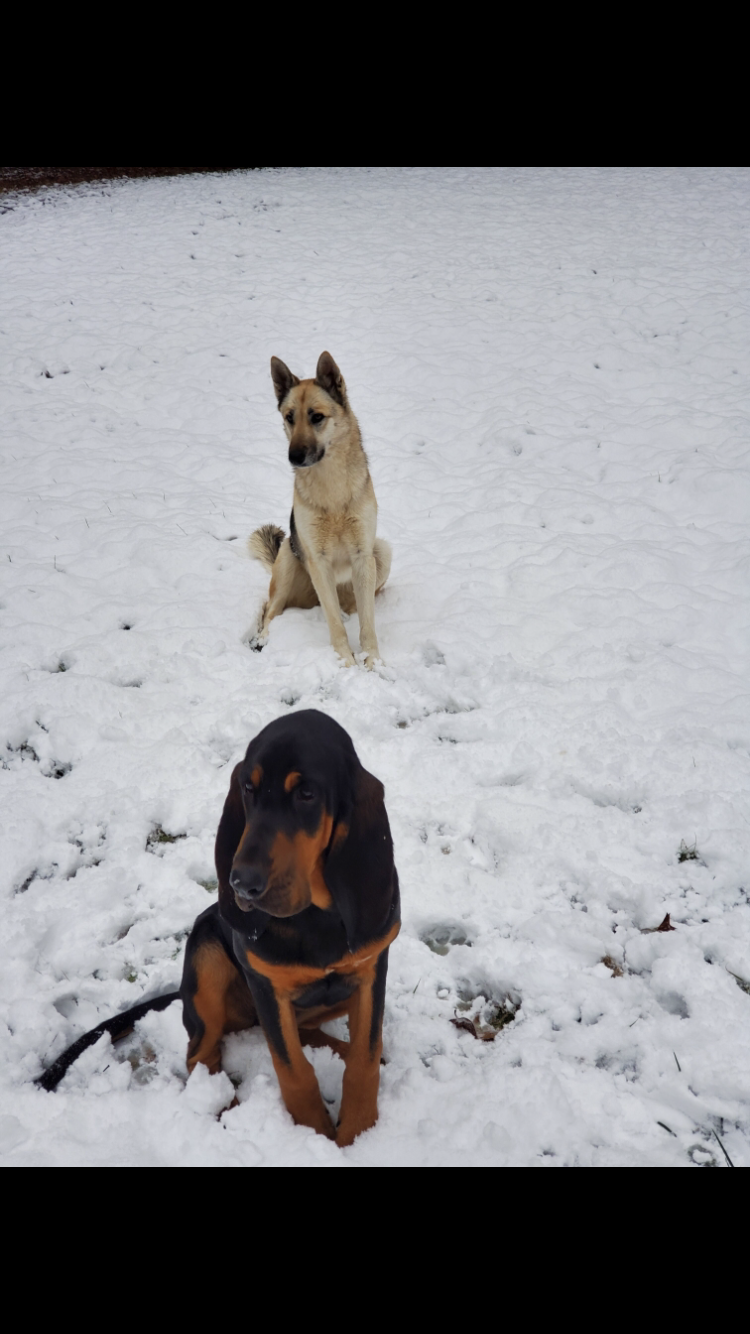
x=364 y=579
x=325 y=586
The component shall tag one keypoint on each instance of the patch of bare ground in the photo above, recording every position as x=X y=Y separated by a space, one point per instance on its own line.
x=36 y=178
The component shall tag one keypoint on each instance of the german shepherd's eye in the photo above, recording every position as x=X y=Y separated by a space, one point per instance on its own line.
x=316 y=418
x=290 y=418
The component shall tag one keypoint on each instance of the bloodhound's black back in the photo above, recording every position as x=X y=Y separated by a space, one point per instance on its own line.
x=308 y=907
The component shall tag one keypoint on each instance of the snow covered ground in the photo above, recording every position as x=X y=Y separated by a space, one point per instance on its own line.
x=550 y=370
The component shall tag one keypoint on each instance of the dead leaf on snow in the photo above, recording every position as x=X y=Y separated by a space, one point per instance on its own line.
x=613 y=967
x=476 y=1030
x=666 y=925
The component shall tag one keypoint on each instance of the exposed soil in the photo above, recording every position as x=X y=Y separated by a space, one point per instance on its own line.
x=34 y=178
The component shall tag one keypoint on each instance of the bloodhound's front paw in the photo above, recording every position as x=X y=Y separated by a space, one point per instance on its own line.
x=349 y=1129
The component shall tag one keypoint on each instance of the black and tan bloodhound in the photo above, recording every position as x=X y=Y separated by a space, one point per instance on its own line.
x=308 y=907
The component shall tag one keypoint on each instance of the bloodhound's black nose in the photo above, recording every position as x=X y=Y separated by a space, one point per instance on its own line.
x=248 y=883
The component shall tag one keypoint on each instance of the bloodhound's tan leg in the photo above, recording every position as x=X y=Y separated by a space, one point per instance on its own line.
x=219 y=1003
x=359 y=1104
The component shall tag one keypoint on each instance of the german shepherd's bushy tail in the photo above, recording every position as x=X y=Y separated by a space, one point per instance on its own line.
x=264 y=544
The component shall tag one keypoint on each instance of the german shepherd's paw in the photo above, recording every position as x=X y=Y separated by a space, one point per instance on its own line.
x=255 y=640
x=370 y=659
x=256 y=637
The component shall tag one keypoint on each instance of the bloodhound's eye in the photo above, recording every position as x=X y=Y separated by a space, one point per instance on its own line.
x=304 y=794
x=250 y=790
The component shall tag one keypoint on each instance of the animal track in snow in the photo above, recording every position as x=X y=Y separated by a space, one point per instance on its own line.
x=24 y=753
x=441 y=938
x=419 y=713
x=607 y=796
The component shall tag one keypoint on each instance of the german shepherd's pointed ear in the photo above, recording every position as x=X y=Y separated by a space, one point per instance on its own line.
x=359 y=869
x=229 y=835
x=283 y=380
x=329 y=377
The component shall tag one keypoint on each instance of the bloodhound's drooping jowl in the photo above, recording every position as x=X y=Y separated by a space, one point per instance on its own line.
x=308 y=907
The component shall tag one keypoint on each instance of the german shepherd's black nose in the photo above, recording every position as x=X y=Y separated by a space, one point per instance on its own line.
x=304 y=457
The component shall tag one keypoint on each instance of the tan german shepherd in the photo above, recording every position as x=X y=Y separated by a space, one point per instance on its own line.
x=332 y=556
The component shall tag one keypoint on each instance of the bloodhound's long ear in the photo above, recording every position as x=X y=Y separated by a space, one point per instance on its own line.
x=359 y=870
x=228 y=836
x=329 y=377
x=283 y=380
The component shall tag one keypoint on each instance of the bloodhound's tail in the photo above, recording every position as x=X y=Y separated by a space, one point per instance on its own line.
x=119 y=1027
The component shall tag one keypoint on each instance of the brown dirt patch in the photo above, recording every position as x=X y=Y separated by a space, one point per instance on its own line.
x=35 y=178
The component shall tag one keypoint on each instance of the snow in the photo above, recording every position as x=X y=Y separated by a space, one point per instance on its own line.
x=549 y=366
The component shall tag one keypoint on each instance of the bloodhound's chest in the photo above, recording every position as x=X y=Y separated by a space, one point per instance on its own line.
x=327 y=981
